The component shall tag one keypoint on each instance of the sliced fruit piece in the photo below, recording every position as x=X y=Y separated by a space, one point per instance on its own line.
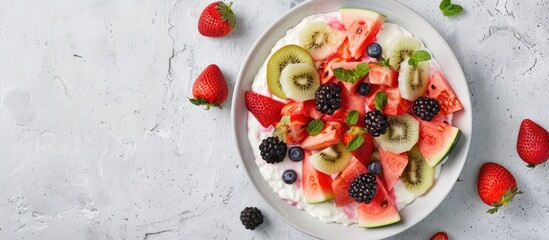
x=344 y=50
x=320 y=40
x=402 y=134
x=341 y=183
x=265 y=110
x=331 y=160
x=317 y=186
x=338 y=116
x=395 y=104
x=362 y=27
x=365 y=151
x=381 y=211
x=310 y=110
x=297 y=129
x=440 y=90
x=351 y=87
x=382 y=75
x=299 y=81
x=418 y=176
x=436 y=140
x=330 y=135
x=350 y=101
x=392 y=165
x=325 y=70
x=279 y=60
x=413 y=80
x=306 y=108
x=439 y=236
x=401 y=48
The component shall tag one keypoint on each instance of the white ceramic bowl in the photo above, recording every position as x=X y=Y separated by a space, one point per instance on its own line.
x=411 y=214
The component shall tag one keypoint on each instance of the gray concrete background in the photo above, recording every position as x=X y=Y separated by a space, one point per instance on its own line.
x=99 y=141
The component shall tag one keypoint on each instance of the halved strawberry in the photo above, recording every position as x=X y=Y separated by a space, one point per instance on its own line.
x=382 y=75
x=439 y=236
x=365 y=151
x=264 y=109
x=330 y=135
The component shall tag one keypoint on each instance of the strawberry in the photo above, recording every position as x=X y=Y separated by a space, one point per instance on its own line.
x=532 y=143
x=216 y=20
x=365 y=151
x=264 y=109
x=210 y=88
x=496 y=186
x=439 y=236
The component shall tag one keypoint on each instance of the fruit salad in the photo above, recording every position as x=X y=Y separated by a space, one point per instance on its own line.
x=350 y=118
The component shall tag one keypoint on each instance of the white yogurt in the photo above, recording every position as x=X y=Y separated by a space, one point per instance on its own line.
x=326 y=211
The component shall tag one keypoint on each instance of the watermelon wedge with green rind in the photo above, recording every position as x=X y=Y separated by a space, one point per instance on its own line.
x=381 y=211
x=436 y=140
x=362 y=27
x=317 y=186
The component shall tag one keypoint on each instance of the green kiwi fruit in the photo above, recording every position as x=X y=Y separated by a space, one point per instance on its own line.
x=418 y=176
x=402 y=134
x=332 y=159
x=289 y=54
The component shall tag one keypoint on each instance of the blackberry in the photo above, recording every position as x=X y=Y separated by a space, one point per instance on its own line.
x=272 y=151
x=251 y=217
x=363 y=188
x=328 y=98
x=376 y=123
x=426 y=108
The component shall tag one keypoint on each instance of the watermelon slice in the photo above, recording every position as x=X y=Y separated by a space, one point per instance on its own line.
x=436 y=140
x=382 y=75
x=395 y=104
x=392 y=166
x=341 y=183
x=440 y=90
x=296 y=131
x=317 y=186
x=344 y=50
x=362 y=27
x=330 y=135
x=351 y=87
x=381 y=211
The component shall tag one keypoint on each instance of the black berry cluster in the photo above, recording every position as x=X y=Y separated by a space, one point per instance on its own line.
x=363 y=188
x=251 y=217
x=376 y=123
x=328 y=98
x=272 y=150
x=426 y=108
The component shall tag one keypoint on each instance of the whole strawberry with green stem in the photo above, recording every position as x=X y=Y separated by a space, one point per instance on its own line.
x=216 y=20
x=532 y=143
x=210 y=88
x=496 y=186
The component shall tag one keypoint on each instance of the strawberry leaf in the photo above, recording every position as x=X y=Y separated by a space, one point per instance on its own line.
x=355 y=143
x=226 y=13
x=315 y=127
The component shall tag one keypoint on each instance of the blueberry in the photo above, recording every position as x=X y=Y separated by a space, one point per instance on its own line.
x=374 y=50
x=374 y=167
x=296 y=154
x=364 y=89
x=289 y=176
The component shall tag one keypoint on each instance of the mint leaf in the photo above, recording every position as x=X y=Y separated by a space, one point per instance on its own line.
x=315 y=127
x=352 y=118
x=362 y=69
x=352 y=75
x=355 y=143
x=419 y=56
x=454 y=9
x=445 y=4
x=380 y=100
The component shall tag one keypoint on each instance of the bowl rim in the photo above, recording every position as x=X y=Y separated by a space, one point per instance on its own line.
x=236 y=93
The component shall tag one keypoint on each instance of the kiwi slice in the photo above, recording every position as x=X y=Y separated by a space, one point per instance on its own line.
x=331 y=160
x=418 y=176
x=279 y=60
x=402 y=134
x=320 y=39
x=400 y=49
x=413 y=80
x=299 y=81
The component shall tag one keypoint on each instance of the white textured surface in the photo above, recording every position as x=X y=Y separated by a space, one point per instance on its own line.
x=98 y=140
